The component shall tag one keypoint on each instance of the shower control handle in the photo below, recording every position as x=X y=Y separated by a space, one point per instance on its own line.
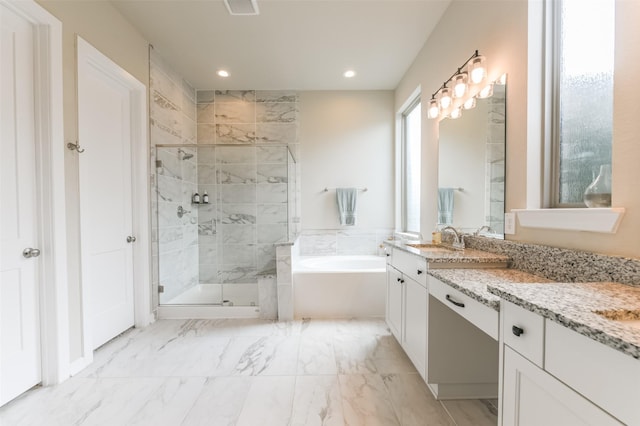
x=182 y=212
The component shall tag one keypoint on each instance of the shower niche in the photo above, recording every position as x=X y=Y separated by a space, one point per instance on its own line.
x=213 y=253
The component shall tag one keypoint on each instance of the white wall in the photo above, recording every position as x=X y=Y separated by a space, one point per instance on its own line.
x=101 y=25
x=499 y=30
x=346 y=140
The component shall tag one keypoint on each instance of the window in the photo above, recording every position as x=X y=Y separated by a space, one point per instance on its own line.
x=411 y=141
x=582 y=117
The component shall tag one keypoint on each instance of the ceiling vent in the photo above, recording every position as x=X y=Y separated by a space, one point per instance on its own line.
x=242 y=7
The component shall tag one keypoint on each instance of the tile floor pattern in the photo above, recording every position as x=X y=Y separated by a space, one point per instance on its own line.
x=248 y=373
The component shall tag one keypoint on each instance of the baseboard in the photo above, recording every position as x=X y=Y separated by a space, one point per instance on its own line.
x=207 y=312
x=464 y=390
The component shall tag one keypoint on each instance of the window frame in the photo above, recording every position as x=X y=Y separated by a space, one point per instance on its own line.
x=409 y=108
x=553 y=58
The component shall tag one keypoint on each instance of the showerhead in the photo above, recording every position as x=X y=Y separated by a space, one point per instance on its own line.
x=185 y=155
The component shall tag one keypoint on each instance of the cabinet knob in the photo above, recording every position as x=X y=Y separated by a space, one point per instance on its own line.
x=419 y=271
x=517 y=331
x=398 y=279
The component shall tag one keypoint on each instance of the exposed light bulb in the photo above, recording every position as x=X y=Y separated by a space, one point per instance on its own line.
x=433 y=110
x=349 y=73
x=223 y=73
x=460 y=85
x=445 y=98
x=469 y=103
x=456 y=113
x=477 y=69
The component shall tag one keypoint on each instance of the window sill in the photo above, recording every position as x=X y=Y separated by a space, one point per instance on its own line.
x=604 y=220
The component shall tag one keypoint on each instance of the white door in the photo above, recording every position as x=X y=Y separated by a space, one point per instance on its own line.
x=20 y=367
x=105 y=134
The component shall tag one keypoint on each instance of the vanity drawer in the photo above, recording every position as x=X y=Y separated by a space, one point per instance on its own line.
x=411 y=265
x=523 y=331
x=483 y=317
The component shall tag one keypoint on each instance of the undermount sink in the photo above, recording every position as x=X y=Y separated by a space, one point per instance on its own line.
x=629 y=317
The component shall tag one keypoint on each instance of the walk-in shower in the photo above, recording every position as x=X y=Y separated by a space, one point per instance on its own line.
x=220 y=210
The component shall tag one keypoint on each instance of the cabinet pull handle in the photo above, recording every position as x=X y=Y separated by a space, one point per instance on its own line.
x=401 y=281
x=517 y=331
x=398 y=279
x=459 y=304
x=388 y=254
x=419 y=271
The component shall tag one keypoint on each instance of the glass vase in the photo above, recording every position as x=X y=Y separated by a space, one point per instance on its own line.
x=598 y=193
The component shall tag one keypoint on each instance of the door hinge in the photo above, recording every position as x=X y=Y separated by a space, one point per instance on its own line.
x=160 y=289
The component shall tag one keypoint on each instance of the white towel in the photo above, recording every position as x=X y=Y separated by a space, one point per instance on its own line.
x=347 y=199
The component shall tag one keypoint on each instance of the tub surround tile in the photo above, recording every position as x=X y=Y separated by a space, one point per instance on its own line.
x=236 y=174
x=574 y=304
x=238 y=193
x=206 y=133
x=285 y=302
x=268 y=297
x=237 y=274
x=271 y=154
x=205 y=96
x=272 y=213
x=236 y=155
x=235 y=112
x=206 y=113
x=272 y=173
x=271 y=193
x=271 y=233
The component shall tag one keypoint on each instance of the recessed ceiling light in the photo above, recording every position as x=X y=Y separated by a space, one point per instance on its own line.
x=223 y=73
x=349 y=73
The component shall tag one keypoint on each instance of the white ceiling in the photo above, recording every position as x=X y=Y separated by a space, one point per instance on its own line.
x=292 y=44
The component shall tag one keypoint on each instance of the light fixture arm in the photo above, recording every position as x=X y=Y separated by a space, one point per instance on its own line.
x=459 y=71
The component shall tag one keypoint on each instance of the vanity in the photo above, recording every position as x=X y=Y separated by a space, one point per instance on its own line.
x=551 y=352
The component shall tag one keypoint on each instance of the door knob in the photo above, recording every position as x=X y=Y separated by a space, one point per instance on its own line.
x=30 y=252
x=131 y=239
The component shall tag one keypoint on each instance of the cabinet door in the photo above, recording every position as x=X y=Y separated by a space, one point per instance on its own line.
x=533 y=397
x=415 y=323
x=394 y=302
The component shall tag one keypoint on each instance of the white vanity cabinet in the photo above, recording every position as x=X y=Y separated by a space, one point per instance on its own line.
x=552 y=375
x=406 y=312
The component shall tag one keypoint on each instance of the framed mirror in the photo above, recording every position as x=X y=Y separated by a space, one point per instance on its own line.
x=471 y=165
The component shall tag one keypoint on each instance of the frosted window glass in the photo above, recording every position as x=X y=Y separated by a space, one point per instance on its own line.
x=412 y=169
x=585 y=94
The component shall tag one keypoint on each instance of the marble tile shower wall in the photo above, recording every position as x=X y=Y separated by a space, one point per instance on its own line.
x=247 y=183
x=335 y=242
x=172 y=122
x=495 y=158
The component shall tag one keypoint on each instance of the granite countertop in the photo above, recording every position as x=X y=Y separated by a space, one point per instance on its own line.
x=474 y=282
x=574 y=304
x=451 y=256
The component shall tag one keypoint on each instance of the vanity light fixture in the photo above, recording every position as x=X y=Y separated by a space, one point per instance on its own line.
x=469 y=103
x=460 y=90
x=455 y=113
x=486 y=91
x=434 y=110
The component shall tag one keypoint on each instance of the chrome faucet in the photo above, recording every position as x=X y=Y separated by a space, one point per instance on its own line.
x=458 y=242
x=483 y=228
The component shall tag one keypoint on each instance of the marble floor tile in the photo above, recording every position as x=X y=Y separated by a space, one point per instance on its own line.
x=268 y=402
x=317 y=401
x=247 y=372
x=366 y=401
x=219 y=403
x=414 y=403
x=472 y=412
x=316 y=356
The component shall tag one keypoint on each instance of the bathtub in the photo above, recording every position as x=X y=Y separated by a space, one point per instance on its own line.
x=339 y=287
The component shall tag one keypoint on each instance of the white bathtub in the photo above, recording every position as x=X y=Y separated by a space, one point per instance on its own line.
x=339 y=287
